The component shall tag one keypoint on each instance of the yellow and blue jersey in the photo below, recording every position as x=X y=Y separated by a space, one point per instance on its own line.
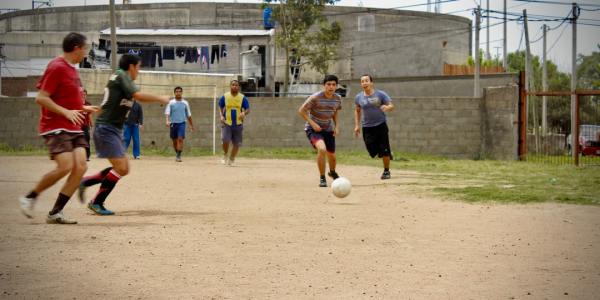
x=232 y=107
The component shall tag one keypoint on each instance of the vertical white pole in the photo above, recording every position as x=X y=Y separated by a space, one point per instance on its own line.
x=544 y=85
x=574 y=129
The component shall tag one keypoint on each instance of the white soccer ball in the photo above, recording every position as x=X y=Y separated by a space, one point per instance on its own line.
x=341 y=187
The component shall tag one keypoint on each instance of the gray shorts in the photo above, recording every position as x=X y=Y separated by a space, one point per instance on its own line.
x=108 y=140
x=232 y=134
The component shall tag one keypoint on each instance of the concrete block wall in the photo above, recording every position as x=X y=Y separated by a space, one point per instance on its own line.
x=459 y=127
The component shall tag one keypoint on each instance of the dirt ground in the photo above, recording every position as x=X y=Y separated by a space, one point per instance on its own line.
x=264 y=230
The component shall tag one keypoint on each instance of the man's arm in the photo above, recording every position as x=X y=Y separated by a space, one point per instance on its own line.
x=302 y=111
x=189 y=119
x=145 y=97
x=357 y=113
x=43 y=99
x=387 y=107
x=336 y=129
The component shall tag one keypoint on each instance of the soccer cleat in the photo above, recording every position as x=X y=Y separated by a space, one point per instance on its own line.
x=386 y=175
x=26 y=205
x=99 y=209
x=81 y=192
x=322 y=182
x=333 y=174
x=59 y=218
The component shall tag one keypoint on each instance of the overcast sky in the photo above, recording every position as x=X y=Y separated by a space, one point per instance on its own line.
x=560 y=38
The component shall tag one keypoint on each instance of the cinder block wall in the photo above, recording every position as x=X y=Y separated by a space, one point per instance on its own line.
x=459 y=127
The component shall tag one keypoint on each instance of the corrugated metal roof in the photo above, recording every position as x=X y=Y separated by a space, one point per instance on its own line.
x=195 y=32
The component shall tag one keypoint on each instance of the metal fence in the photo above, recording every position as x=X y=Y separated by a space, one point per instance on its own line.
x=547 y=121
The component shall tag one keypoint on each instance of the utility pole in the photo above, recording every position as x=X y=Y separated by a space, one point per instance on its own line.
x=487 y=33
x=574 y=112
x=1 y=62
x=113 y=37
x=528 y=79
x=476 y=92
x=505 y=58
x=544 y=84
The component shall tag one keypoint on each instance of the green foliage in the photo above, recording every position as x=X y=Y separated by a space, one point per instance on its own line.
x=484 y=62
x=295 y=19
x=588 y=70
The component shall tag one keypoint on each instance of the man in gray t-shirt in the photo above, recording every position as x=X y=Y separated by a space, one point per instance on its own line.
x=373 y=104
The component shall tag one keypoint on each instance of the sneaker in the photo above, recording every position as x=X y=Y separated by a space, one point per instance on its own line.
x=224 y=159
x=59 y=218
x=178 y=159
x=99 y=209
x=386 y=175
x=322 y=182
x=333 y=174
x=81 y=192
x=230 y=162
x=26 y=205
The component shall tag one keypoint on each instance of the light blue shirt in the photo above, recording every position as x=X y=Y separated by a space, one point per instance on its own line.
x=370 y=106
x=178 y=111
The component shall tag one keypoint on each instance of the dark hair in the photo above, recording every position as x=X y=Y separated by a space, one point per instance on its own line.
x=370 y=77
x=234 y=80
x=73 y=40
x=330 y=78
x=127 y=60
x=177 y=88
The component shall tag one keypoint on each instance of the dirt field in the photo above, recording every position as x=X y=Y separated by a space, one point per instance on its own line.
x=264 y=230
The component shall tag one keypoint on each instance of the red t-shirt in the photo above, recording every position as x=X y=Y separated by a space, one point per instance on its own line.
x=61 y=81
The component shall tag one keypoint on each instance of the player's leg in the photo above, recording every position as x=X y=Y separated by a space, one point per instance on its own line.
x=384 y=150
x=321 y=154
x=59 y=147
x=135 y=135
x=329 y=140
x=173 y=135
x=226 y=139
x=120 y=168
x=236 y=140
x=126 y=136
x=79 y=167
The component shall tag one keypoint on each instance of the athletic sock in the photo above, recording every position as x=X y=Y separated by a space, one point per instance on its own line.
x=96 y=178
x=60 y=203
x=386 y=169
x=32 y=195
x=108 y=184
x=322 y=177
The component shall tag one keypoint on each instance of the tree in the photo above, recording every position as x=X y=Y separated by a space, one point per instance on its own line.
x=294 y=19
x=588 y=70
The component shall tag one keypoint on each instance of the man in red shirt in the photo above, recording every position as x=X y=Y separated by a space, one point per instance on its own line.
x=62 y=105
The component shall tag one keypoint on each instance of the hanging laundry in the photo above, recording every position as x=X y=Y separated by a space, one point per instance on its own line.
x=204 y=58
x=223 y=50
x=214 y=54
x=168 y=53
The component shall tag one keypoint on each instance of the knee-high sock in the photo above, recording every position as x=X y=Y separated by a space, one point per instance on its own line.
x=107 y=185
x=60 y=203
x=96 y=178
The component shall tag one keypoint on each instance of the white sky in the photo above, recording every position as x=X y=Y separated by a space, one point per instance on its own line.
x=588 y=36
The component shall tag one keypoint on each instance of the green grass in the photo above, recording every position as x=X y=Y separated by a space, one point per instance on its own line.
x=461 y=179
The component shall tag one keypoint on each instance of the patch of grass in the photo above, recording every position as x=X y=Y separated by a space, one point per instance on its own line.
x=461 y=179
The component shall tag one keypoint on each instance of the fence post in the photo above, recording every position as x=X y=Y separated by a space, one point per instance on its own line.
x=576 y=132
x=522 y=118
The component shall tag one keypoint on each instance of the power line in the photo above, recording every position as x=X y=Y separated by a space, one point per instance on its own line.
x=557 y=3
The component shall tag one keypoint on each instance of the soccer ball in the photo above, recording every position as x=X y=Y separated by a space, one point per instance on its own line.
x=341 y=187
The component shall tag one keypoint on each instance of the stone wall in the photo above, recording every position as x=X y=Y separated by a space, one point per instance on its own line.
x=460 y=127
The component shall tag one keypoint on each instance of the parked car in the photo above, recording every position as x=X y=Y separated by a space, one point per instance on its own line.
x=589 y=140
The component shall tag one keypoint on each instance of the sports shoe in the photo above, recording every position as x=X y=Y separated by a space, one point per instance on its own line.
x=26 y=205
x=178 y=159
x=59 y=218
x=333 y=174
x=224 y=159
x=386 y=175
x=230 y=162
x=99 y=209
x=322 y=182
x=81 y=192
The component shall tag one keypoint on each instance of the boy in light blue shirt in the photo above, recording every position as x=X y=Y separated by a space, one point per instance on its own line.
x=177 y=111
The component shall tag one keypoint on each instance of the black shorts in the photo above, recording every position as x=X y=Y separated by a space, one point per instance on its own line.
x=377 y=140
x=326 y=136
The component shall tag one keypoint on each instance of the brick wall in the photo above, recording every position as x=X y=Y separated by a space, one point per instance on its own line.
x=450 y=126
